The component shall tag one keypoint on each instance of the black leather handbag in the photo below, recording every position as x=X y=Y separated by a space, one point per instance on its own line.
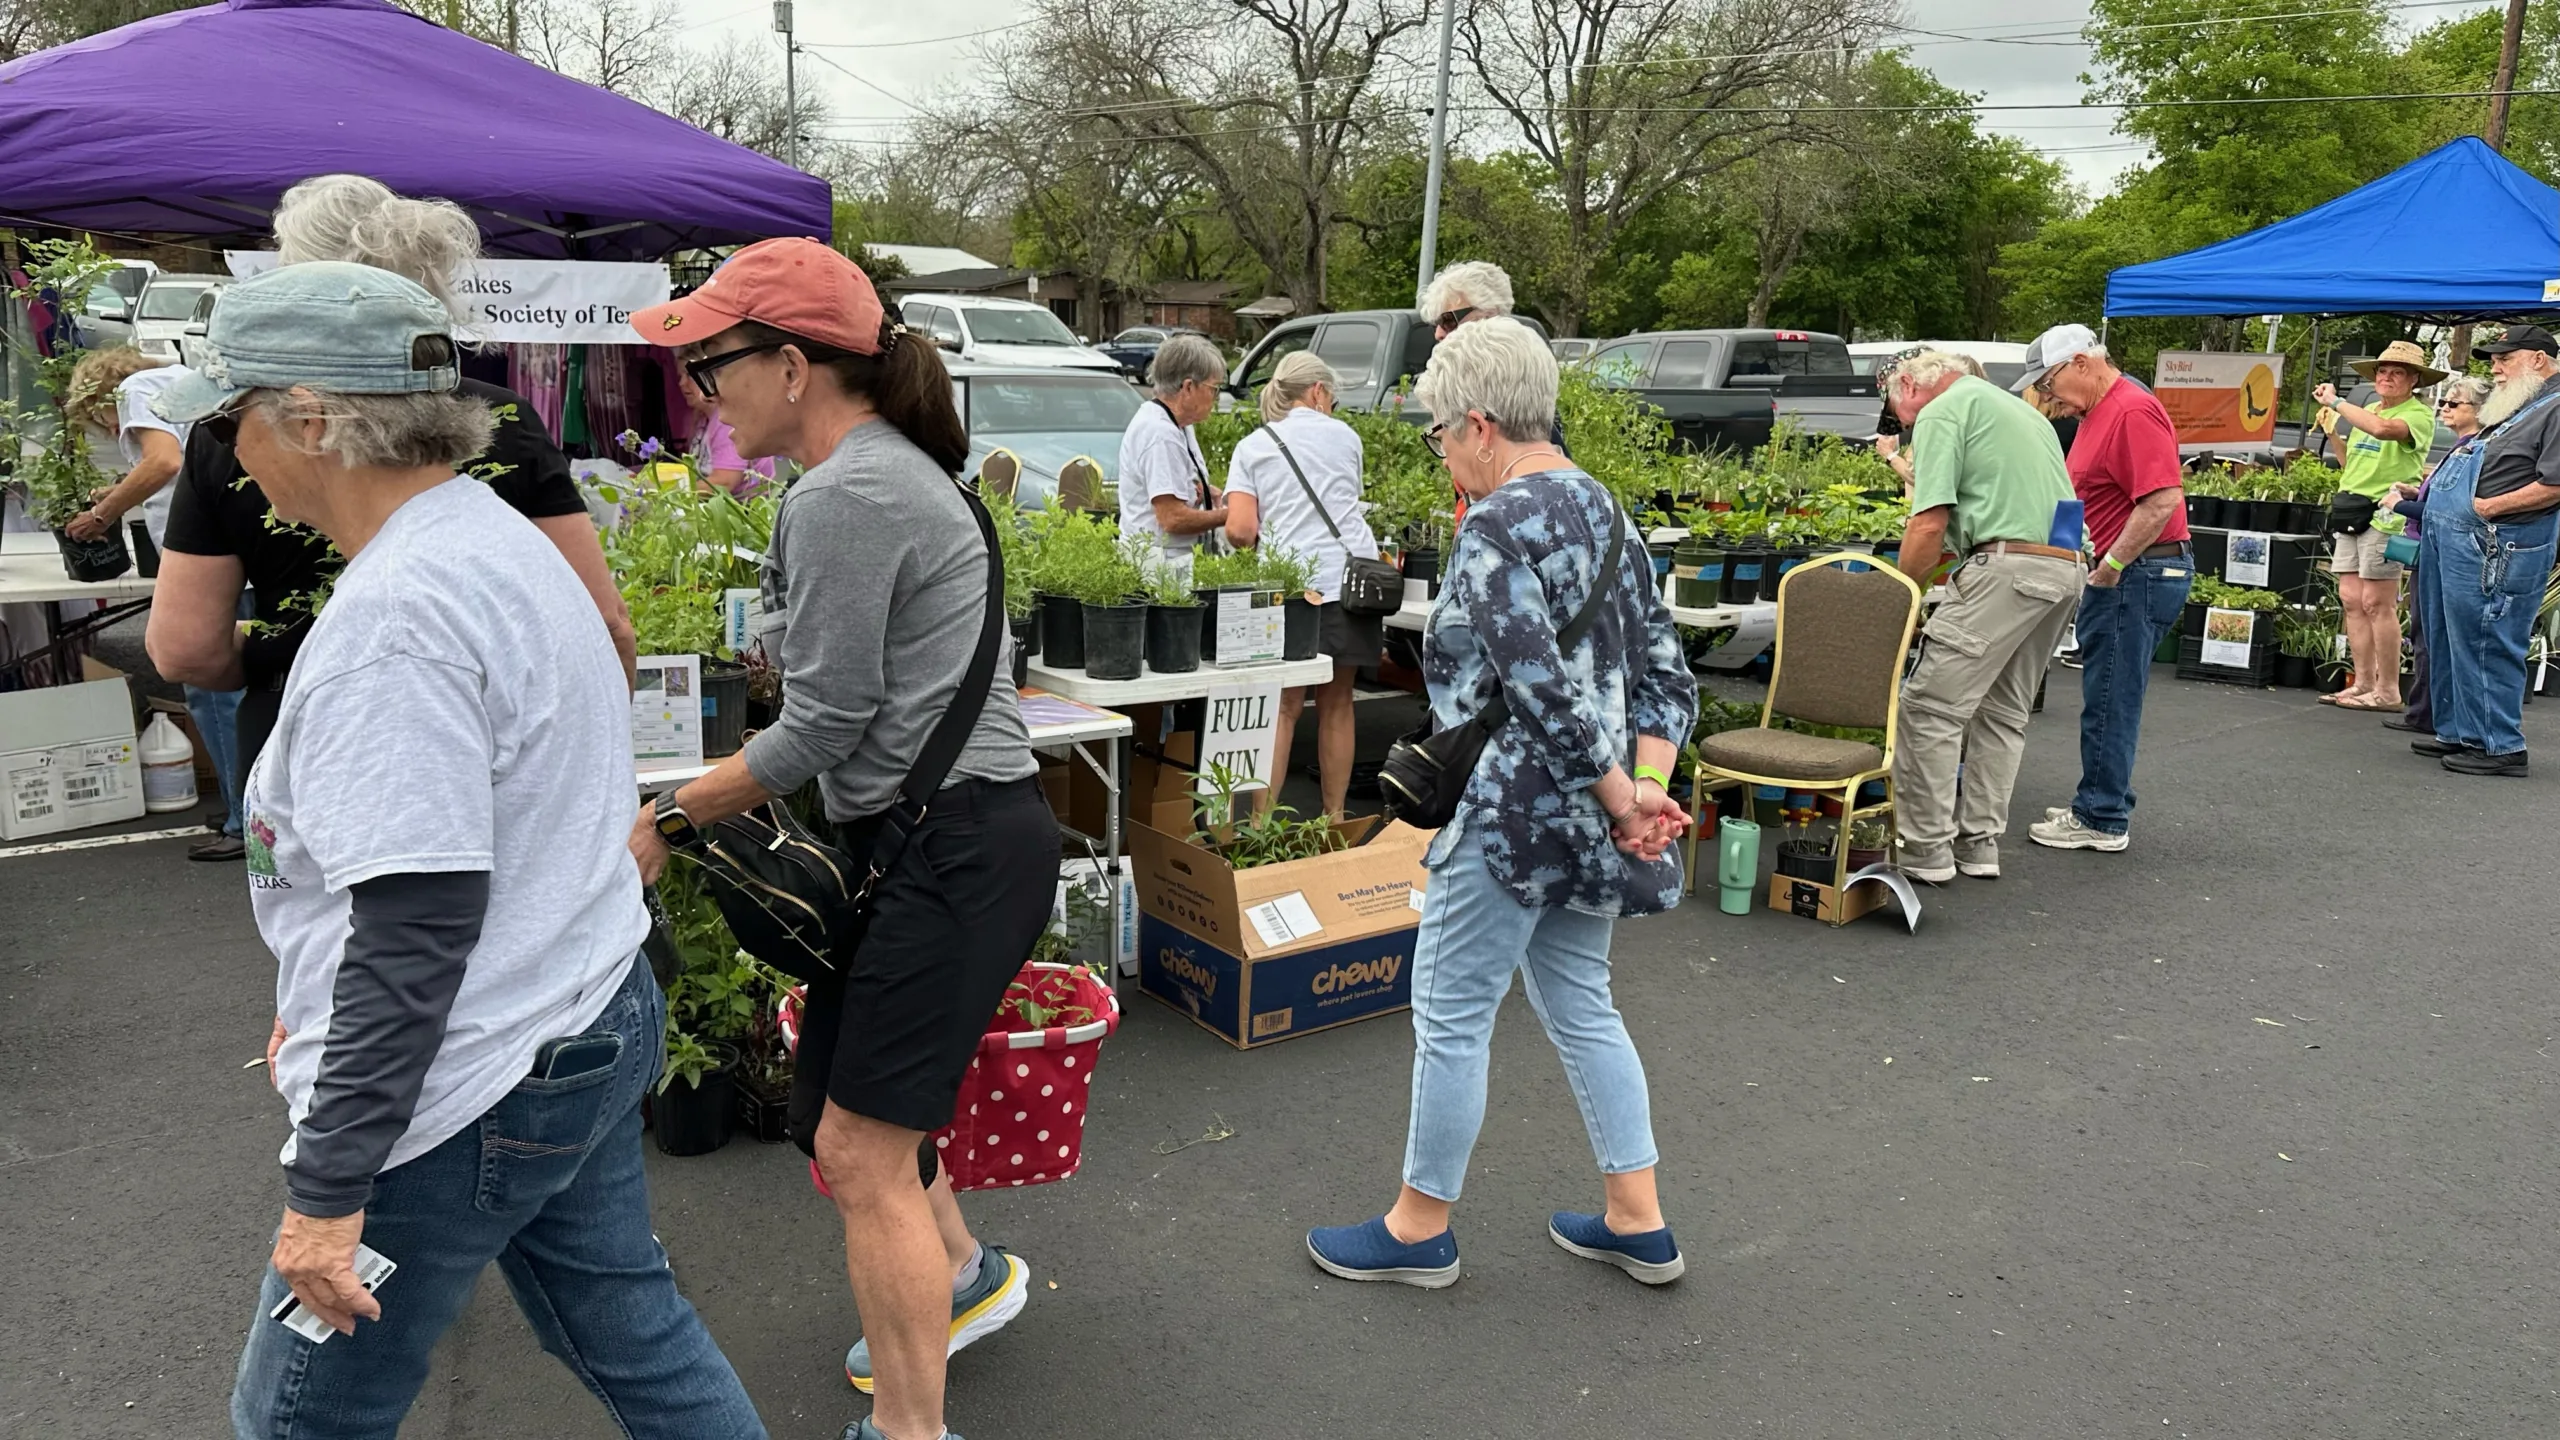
x=1426 y=773
x=2350 y=513
x=800 y=904
x=1369 y=587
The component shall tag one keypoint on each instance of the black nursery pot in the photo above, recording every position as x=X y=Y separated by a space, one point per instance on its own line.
x=2268 y=515
x=146 y=556
x=724 y=707
x=2328 y=682
x=1026 y=638
x=2295 y=672
x=696 y=1119
x=1301 y=629
x=1742 y=575
x=2204 y=510
x=1061 y=632
x=1424 y=565
x=1115 y=640
x=89 y=561
x=1805 y=860
x=1777 y=567
x=2304 y=518
x=2191 y=619
x=764 y=1119
x=1173 y=639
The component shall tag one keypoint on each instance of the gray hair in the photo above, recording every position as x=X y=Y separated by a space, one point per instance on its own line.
x=357 y=218
x=2472 y=388
x=1292 y=380
x=1184 y=358
x=385 y=432
x=1499 y=367
x=1479 y=283
x=1930 y=368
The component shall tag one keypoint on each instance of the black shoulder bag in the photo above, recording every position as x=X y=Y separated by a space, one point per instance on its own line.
x=1369 y=587
x=798 y=903
x=1426 y=774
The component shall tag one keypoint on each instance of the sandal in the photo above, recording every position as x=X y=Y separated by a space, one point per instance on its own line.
x=2381 y=706
x=2341 y=698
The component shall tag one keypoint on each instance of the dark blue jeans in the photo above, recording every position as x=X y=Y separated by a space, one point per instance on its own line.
x=548 y=1184
x=2119 y=627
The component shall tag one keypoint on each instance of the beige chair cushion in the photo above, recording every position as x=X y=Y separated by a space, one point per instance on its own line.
x=1784 y=754
x=1840 y=645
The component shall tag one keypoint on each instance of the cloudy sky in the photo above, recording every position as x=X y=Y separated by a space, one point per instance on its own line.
x=2010 y=52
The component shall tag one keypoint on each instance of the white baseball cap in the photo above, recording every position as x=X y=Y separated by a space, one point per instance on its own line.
x=2052 y=348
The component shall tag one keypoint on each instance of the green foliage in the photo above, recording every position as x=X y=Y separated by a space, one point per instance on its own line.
x=673 y=554
x=1267 y=837
x=688 y=1060
x=1016 y=542
x=2214 y=594
x=1280 y=568
x=60 y=476
x=1082 y=556
x=1167 y=587
x=721 y=995
x=1226 y=568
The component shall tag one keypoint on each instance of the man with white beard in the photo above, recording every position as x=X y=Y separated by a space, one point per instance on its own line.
x=2492 y=511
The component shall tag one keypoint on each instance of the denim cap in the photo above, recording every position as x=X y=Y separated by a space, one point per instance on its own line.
x=325 y=324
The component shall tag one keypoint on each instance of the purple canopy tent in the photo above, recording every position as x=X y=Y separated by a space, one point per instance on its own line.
x=196 y=122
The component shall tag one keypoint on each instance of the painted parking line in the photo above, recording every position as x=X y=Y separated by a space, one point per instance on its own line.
x=100 y=842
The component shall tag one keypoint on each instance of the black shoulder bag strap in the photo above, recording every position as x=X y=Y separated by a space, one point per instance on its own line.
x=1497 y=711
x=942 y=748
x=1321 y=513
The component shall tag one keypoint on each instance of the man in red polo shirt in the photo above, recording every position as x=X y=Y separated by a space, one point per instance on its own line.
x=2124 y=465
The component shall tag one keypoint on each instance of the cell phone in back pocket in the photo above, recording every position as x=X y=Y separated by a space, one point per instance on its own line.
x=575 y=1055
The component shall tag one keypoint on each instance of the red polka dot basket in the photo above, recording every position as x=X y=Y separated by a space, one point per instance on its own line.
x=1020 y=1118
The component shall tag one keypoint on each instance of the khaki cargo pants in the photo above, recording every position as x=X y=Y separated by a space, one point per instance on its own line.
x=1983 y=653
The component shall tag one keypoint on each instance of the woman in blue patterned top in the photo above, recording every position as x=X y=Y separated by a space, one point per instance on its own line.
x=1565 y=826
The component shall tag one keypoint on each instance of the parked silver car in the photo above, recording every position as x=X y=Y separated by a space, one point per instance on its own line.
x=1046 y=418
x=168 y=306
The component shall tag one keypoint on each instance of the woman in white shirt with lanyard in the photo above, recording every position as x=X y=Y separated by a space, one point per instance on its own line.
x=1165 y=498
x=1314 y=511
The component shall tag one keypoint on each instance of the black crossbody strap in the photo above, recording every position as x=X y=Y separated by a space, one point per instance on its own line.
x=951 y=734
x=1497 y=711
x=1321 y=513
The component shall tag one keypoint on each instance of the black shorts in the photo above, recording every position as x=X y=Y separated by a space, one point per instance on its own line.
x=890 y=1035
x=1344 y=636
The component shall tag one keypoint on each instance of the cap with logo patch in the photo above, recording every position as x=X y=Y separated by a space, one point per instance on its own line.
x=2521 y=337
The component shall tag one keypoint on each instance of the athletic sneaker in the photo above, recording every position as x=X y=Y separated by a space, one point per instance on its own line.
x=1935 y=869
x=1652 y=1257
x=863 y=1429
x=1980 y=859
x=1368 y=1252
x=1003 y=1284
x=2066 y=831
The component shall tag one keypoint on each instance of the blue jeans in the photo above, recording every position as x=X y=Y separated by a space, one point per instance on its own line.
x=2120 y=627
x=2483 y=584
x=1473 y=936
x=549 y=1184
x=217 y=716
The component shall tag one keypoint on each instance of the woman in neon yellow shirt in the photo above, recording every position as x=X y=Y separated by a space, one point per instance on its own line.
x=2386 y=445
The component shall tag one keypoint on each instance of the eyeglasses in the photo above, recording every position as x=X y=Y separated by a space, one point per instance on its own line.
x=1451 y=320
x=2452 y=404
x=701 y=371
x=1435 y=439
x=224 y=426
x=2044 y=382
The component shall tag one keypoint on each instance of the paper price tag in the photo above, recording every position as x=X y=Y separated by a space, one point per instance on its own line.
x=1413 y=897
x=1284 y=920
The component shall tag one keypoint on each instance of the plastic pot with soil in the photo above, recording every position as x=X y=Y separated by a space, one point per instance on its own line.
x=2204 y=510
x=724 y=707
x=1061 y=631
x=1805 y=860
x=696 y=1113
x=2267 y=515
x=2191 y=619
x=1697 y=573
x=1026 y=641
x=2295 y=672
x=90 y=561
x=1742 y=568
x=1424 y=565
x=1301 y=628
x=1115 y=640
x=1173 y=638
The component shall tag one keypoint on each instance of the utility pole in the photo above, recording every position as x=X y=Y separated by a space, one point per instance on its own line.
x=1440 y=152
x=791 y=82
x=2502 y=94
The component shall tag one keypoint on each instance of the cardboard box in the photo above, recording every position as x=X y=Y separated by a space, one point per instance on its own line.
x=1817 y=901
x=1275 y=951
x=70 y=760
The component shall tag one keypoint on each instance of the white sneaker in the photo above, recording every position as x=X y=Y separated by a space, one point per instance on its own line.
x=2065 y=831
x=1979 y=862
x=1937 y=871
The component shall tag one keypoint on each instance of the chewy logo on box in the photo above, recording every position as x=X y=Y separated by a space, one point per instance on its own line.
x=1255 y=1002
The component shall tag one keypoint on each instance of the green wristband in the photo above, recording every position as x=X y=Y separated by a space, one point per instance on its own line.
x=2115 y=564
x=1648 y=772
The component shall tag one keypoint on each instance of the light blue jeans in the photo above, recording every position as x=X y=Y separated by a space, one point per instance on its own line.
x=1474 y=935
x=217 y=717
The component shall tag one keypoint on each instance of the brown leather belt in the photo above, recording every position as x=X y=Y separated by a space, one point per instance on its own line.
x=2021 y=547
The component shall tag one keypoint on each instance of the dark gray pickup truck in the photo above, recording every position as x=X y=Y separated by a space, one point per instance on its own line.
x=1727 y=389
x=1369 y=351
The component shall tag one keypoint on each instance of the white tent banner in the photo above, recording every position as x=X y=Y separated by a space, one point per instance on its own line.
x=541 y=302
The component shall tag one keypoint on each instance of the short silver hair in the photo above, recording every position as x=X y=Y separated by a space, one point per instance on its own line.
x=1292 y=381
x=1929 y=368
x=385 y=432
x=1479 y=283
x=358 y=218
x=1499 y=367
x=1184 y=358
x=2472 y=388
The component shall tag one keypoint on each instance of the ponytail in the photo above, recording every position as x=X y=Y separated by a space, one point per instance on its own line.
x=905 y=382
x=1292 y=381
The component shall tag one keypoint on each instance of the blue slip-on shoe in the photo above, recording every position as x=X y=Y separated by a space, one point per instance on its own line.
x=1652 y=1257
x=1004 y=1283
x=863 y=1429
x=1367 y=1252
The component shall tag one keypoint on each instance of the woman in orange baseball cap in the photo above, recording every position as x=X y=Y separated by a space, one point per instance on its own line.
x=875 y=596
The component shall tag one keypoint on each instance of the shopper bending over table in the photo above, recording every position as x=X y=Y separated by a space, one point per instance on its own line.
x=1295 y=484
x=1565 y=825
x=219 y=538
x=464 y=1023
x=1988 y=482
x=2387 y=446
x=875 y=591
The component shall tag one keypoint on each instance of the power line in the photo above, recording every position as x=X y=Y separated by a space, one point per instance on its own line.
x=858 y=80
x=902 y=44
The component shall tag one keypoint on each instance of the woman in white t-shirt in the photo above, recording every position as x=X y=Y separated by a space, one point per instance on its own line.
x=1269 y=502
x=111 y=393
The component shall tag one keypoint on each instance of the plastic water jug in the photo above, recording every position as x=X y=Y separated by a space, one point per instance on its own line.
x=1737 y=864
x=168 y=767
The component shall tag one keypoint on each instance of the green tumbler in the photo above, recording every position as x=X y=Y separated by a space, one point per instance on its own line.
x=1737 y=863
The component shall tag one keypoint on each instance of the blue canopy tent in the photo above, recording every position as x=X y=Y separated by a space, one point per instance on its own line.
x=2458 y=233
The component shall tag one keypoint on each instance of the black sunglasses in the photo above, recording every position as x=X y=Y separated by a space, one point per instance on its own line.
x=701 y=371
x=224 y=426
x=2452 y=404
x=1451 y=320
x=1436 y=441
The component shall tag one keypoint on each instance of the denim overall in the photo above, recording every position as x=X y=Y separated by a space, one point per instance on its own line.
x=2483 y=583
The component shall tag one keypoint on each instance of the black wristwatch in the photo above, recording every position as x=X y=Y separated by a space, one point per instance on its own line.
x=674 y=826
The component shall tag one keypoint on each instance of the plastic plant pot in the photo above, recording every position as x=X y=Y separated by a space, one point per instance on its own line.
x=1115 y=640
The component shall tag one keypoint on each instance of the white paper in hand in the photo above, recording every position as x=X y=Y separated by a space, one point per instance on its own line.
x=371 y=1267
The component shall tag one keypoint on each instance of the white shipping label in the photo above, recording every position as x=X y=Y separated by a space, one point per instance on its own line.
x=1413 y=897
x=1283 y=920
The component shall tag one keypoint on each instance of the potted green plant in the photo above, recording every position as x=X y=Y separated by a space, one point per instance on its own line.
x=1113 y=591
x=52 y=452
x=1173 y=624
x=1014 y=541
x=1289 y=574
x=695 y=1109
x=1067 y=546
x=2303 y=640
x=676 y=553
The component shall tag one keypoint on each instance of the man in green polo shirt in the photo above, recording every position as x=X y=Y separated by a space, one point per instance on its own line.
x=2384 y=444
x=1987 y=480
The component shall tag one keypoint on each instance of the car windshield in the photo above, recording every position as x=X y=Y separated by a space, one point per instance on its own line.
x=171 y=302
x=1012 y=404
x=1009 y=326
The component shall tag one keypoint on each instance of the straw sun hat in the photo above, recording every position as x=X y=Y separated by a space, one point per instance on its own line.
x=2401 y=352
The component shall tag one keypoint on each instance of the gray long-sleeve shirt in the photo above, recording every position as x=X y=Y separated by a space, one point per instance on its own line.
x=875 y=588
